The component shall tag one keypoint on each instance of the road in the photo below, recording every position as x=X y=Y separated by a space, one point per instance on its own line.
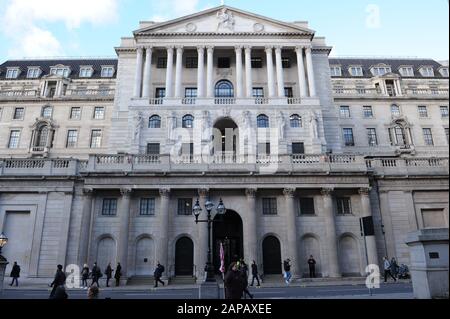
x=359 y=292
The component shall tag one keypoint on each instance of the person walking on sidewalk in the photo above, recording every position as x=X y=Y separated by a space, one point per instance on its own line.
x=234 y=283
x=15 y=274
x=96 y=275
x=287 y=271
x=59 y=280
x=312 y=267
x=118 y=274
x=85 y=276
x=108 y=273
x=394 y=267
x=387 y=269
x=158 y=274
x=255 y=274
x=244 y=272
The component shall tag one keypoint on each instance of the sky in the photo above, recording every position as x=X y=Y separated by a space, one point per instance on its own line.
x=92 y=28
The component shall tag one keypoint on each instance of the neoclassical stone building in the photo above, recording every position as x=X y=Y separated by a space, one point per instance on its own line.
x=222 y=104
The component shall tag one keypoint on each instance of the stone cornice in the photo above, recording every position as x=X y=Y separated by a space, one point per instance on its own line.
x=224 y=34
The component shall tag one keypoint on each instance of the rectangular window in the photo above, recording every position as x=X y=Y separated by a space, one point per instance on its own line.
x=60 y=71
x=14 y=138
x=96 y=138
x=258 y=92
x=345 y=112
x=400 y=136
x=344 y=206
x=336 y=71
x=75 y=113
x=153 y=149
x=264 y=149
x=147 y=207
x=288 y=92
x=286 y=63
x=185 y=206
x=191 y=62
x=444 y=111
x=368 y=112
x=307 y=206
x=356 y=71
x=423 y=111
x=109 y=207
x=99 y=113
x=86 y=72
x=160 y=93
x=395 y=110
x=446 y=134
x=161 y=63
x=427 y=71
x=19 y=113
x=72 y=138
x=428 y=136
x=372 y=137
x=12 y=73
x=257 y=63
x=270 y=206
x=33 y=73
x=223 y=63
x=298 y=148
x=190 y=93
x=407 y=71
x=348 y=137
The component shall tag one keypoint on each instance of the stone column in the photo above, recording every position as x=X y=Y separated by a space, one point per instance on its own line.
x=248 y=72
x=201 y=72
x=239 y=72
x=163 y=243
x=366 y=211
x=210 y=72
x=178 y=73
x=147 y=72
x=138 y=78
x=85 y=226
x=387 y=223
x=123 y=240
x=291 y=220
x=310 y=67
x=270 y=71
x=301 y=72
x=330 y=233
x=280 y=73
x=202 y=243
x=169 y=74
x=250 y=231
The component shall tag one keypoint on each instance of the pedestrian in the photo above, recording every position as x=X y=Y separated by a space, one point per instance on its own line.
x=15 y=274
x=118 y=274
x=60 y=293
x=59 y=280
x=234 y=283
x=108 y=273
x=387 y=269
x=96 y=274
x=244 y=272
x=93 y=292
x=255 y=274
x=206 y=272
x=158 y=274
x=85 y=276
x=312 y=267
x=394 y=267
x=287 y=271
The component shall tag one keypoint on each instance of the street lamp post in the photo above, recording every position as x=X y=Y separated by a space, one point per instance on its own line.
x=210 y=282
x=3 y=261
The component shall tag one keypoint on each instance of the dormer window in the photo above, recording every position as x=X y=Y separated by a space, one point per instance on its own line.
x=86 y=72
x=107 y=71
x=427 y=71
x=336 y=71
x=381 y=70
x=61 y=71
x=356 y=71
x=33 y=73
x=444 y=72
x=12 y=73
x=406 y=71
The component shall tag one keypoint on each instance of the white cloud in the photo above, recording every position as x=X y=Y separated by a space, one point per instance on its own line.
x=169 y=9
x=36 y=43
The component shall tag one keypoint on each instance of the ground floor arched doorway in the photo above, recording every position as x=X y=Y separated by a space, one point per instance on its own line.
x=228 y=230
x=272 y=256
x=184 y=257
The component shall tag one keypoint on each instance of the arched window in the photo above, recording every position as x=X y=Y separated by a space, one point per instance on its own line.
x=395 y=110
x=224 y=89
x=47 y=112
x=296 y=121
x=154 y=122
x=188 y=121
x=42 y=136
x=263 y=121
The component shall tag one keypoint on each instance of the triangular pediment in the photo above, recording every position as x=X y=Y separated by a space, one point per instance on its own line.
x=223 y=19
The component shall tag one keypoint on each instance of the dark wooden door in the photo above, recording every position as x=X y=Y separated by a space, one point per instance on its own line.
x=184 y=257
x=272 y=256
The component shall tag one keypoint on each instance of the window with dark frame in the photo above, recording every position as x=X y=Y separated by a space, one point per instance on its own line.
x=160 y=93
x=109 y=207
x=191 y=62
x=372 y=137
x=344 y=206
x=368 y=112
x=264 y=149
x=19 y=113
x=446 y=129
x=185 y=206
x=14 y=138
x=161 y=63
x=428 y=136
x=258 y=92
x=345 y=112
x=153 y=149
x=99 y=113
x=188 y=121
x=270 y=206
x=257 y=63
x=296 y=121
x=288 y=92
x=75 y=113
x=263 y=121
x=154 y=121
x=307 y=206
x=190 y=93
x=444 y=111
x=96 y=138
x=423 y=111
x=348 y=137
x=72 y=138
x=298 y=148
x=223 y=63
x=286 y=62
x=147 y=207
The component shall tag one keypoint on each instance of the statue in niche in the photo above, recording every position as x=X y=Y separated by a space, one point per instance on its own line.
x=206 y=126
x=138 y=123
x=171 y=126
x=226 y=20
x=281 y=125
x=314 y=125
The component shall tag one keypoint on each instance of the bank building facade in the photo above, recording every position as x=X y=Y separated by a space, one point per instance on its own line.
x=103 y=160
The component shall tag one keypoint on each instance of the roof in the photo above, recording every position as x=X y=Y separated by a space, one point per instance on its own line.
x=45 y=66
x=395 y=64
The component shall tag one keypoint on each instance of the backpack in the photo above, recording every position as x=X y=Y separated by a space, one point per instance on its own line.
x=162 y=269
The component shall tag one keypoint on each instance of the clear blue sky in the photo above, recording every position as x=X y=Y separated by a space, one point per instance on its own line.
x=353 y=27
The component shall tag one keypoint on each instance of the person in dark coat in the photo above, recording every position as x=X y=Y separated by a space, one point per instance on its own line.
x=96 y=275
x=85 y=276
x=234 y=283
x=312 y=267
x=59 y=280
x=93 y=292
x=287 y=271
x=255 y=274
x=118 y=274
x=60 y=293
x=394 y=267
x=108 y=273
x=244 y=272
x=158 y=274
x=15 y=274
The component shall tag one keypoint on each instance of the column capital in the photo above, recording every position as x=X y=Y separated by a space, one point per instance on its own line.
x=308 y=48
x=126 y=192
x=179 y=48
x=299 y=48
x=170 y=48
x=140 y=48
x=164 y=192
x=268 y=48
x=210 y=48
x=149 y=48
x=201 y=48
x=203 y=192
x=238 y=48
x=327 y=191
x=248 y=49
x=278 y=48
x=365 y=191
x=289 y=192
x=88 y=191
x=251 y=192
